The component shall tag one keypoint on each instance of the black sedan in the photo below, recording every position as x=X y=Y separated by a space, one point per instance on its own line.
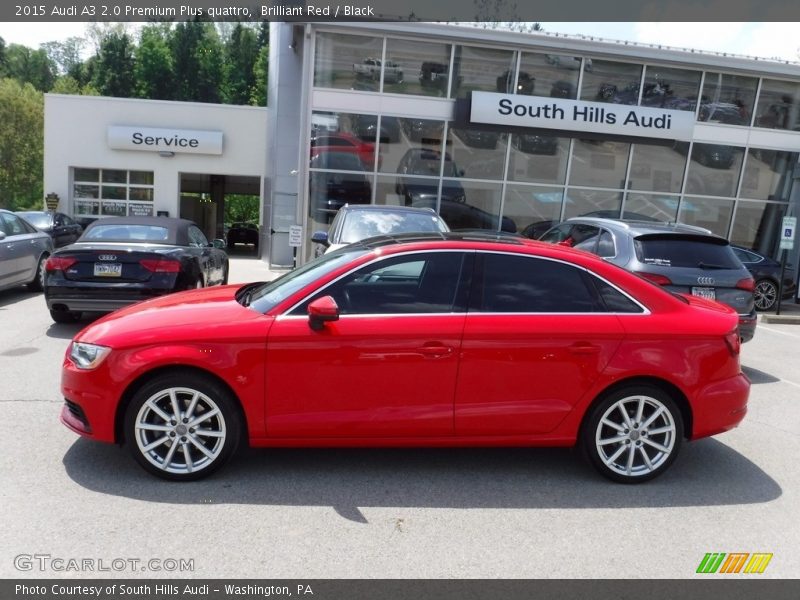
x=62 y=228
x=243 y=233
x=121 y=260
x=767 y=274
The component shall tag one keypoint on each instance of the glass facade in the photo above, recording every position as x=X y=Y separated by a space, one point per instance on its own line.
x=527 y=180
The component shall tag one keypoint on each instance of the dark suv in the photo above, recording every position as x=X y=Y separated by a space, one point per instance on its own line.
x=682 y=258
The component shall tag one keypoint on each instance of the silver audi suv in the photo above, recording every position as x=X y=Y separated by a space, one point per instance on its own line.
x=682 y=258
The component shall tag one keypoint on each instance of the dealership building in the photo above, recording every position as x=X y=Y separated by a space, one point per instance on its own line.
x=493 y=129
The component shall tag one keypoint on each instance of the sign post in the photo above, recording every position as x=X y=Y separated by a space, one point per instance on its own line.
x=788 y=227
x=295 y=240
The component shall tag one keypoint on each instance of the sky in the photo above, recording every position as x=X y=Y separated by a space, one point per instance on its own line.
x=764 y=40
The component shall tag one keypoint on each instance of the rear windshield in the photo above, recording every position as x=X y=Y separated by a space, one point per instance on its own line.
x=693 y=252
x=41 y=220
x=134 y=233
x=362 y=224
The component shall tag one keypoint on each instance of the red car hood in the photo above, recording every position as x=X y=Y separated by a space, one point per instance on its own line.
x=211 y=314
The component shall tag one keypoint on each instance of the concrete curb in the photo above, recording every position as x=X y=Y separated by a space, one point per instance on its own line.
x=781 y=319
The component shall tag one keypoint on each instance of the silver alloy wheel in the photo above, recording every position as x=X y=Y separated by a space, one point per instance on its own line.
x=180 y=430
x=765 y=294
x=635 y=436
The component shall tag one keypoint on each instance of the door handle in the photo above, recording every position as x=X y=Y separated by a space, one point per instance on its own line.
x=584 y=348
x=435 y=350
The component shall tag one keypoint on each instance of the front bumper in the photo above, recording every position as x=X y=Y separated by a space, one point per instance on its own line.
x=91 y=401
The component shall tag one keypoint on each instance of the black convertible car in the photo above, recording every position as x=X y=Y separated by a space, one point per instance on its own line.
x=121 y=260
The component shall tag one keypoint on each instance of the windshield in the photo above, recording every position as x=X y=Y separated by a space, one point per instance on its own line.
x=361 y=224
x=37 y=219
x=134 y=233
x=679 y=251
x=269 y=295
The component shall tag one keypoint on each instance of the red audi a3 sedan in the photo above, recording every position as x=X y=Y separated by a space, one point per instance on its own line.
x=416 y=340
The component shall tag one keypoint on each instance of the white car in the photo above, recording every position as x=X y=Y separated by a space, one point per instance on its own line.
x=355 y=222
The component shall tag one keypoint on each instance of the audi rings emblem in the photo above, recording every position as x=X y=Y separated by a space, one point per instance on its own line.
x=705 y=280
x=107 y=257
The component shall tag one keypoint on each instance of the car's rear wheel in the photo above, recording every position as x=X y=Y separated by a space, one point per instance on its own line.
x=633 y=434
x=182 y=426
x=37 y=283
x=765 y=294
x=64 y=316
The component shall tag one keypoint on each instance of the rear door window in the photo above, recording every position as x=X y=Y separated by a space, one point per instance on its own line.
x=521 y=284
x=685 y=251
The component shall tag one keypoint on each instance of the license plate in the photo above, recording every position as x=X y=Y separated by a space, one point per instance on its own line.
x=704 y=292
x=107 y=270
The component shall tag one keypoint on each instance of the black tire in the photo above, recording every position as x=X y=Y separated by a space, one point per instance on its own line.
x=64 y=316
x=765 y=294
x=37 y=283
x=185 y=384
x=626 y=438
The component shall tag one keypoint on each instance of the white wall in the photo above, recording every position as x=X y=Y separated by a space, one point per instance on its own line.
x=75 y=129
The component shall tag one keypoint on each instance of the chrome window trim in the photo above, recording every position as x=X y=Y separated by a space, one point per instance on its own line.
x=645 y=311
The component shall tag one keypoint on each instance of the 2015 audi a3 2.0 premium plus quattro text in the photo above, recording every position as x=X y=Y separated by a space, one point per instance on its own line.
x=430 y=339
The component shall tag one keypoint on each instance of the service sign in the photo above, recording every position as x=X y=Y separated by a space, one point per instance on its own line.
x=576 y=115
x=149 y=139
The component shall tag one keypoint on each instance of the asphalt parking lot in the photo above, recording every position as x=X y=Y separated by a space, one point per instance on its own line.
x=511 y=513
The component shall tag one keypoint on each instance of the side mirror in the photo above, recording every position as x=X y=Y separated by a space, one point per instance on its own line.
x=321 y=311
x=218 y=243
x=2 y=235
x=320 y=237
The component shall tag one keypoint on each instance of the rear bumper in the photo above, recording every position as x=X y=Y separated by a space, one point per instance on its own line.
x=96 y=299
x=747 y=326
x=720 y=406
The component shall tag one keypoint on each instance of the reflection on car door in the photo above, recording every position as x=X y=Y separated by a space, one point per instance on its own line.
x=387 y=367
x=535 y=340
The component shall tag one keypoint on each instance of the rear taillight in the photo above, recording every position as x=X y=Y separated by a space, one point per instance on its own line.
x=161 y=265
x=656 y=278
x=58 y=263
x=748 y=284
x=734 y=342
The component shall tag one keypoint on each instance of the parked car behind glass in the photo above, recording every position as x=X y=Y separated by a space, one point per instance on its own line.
x=682 y=258
x=23 y=252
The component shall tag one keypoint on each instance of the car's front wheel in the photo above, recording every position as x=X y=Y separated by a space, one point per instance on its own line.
x=765 y=294
x=182 y=426
x=633 y=434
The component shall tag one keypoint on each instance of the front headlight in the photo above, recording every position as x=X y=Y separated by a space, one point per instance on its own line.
x=87 y=356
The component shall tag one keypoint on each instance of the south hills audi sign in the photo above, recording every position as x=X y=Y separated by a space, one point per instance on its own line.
x=575 y=115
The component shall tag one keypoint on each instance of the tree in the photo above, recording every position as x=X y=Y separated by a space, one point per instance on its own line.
x=30 y=66
x=241 y=52
x=154 y=71
x=258 y=96
x=2 y=57
x=113 y=73
x=66 y=55
x=21 y=145
x=263 y=34
x=197 y=60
